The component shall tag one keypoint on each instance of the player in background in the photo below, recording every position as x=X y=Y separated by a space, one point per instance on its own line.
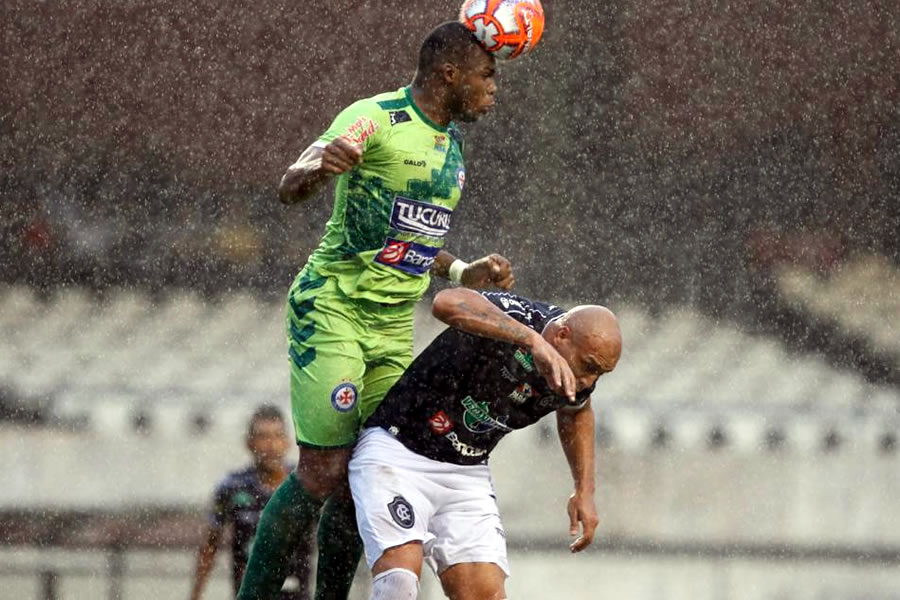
x=419 y=472
x=238 y=501
x=398 y=162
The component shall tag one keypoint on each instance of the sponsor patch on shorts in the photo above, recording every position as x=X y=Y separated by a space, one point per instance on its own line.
x=402 y=512
x=343 y=397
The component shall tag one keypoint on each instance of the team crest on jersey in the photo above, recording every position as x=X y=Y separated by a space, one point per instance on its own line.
x=408 y=257
x=440 y=423
x=399 y=116
x=423 y=218
x=478 y=419
x=461 y=178
x=521 y=394
x=440 y=143
x=361 y=129
x=343 y=397
x=402 y=512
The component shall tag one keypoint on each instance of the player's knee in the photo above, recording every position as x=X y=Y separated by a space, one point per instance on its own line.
x=395 y=584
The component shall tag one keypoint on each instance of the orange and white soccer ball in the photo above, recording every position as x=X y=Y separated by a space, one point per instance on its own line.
x=506 y=28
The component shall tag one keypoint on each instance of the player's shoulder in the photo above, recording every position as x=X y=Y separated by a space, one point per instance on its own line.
x=238 y=479
x=382 y=103
x=380 y=111
x=532 y=311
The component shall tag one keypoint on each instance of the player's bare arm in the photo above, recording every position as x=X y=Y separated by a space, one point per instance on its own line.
x=576 y=434
x=315 y=166
x=206 y=558
x=492 y=269
x=471 y=312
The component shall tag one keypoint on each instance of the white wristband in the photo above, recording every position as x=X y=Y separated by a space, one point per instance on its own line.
x=456 y=270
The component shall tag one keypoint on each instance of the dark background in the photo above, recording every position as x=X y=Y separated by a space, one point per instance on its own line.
x=658 y=151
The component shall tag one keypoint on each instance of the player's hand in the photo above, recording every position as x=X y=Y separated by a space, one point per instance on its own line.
x=491 y=269
x=341 y=155
x=582 y=510
x=554 y=368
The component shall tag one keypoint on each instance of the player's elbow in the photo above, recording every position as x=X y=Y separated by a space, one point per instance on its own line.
x=442 y=306
x=449 y=306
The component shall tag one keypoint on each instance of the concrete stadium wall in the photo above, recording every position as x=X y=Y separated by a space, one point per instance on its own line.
x=674 y=496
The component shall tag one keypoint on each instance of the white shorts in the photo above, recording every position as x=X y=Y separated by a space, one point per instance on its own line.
x=404 y=497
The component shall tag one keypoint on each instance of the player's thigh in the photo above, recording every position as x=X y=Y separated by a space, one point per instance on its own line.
x=391 y=510
x=327 y=368
x=474 y=581
x=387 y=346
x=379 y=378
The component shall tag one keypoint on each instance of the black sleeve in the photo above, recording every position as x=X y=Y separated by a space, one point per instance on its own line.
x=531 y=313
x=218 y=515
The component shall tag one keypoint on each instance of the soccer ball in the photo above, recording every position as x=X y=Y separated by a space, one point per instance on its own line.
x=506 y=28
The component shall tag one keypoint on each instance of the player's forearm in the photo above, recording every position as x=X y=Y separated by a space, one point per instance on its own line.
x=206 y=558
x=576 y=434
x=303 y=178
x=471 y=312
x=441 y=265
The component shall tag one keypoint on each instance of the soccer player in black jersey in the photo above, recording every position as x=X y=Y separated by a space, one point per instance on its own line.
x=419 y=473
x=240 y=498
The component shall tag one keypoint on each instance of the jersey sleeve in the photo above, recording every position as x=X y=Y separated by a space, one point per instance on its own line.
x=218 y=512
x=523 y=310
x=363 y=123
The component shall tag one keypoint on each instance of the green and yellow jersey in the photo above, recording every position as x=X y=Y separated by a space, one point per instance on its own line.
x=391 y=211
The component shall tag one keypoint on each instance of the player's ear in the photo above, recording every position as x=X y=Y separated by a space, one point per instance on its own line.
x=450 y=73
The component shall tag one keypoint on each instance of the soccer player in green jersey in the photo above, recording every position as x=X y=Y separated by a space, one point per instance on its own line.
x=399 y=166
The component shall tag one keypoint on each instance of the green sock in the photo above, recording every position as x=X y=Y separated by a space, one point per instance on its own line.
x=339 y=550
x=288 y=515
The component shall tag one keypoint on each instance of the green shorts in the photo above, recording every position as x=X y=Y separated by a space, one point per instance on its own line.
x=345 y=354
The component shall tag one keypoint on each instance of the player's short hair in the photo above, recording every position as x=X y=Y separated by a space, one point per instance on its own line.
x=449 y=41
x=265 y=412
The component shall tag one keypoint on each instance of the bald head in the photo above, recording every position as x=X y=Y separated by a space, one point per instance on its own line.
x=598 y=327
x=590 y=340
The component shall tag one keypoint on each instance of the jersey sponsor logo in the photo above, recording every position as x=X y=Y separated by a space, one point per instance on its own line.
x=507 y=374
x=461 y=178
x=420 y=217
x=361 y=129
x=440 y=143
x=440 y=423
x=462 y=447
x=414 y=163
x=521 y=394
x=399 y=116
x=402 y=512
x=525 y=359
x=242 y=498
x=343 y=397
x=478 y=419
x=408 y=257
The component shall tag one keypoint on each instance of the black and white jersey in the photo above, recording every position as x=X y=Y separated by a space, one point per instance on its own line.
x=465 y=392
